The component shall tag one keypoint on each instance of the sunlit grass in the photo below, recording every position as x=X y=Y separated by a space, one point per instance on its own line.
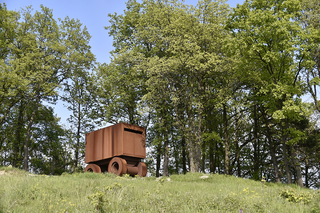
x=92 y=192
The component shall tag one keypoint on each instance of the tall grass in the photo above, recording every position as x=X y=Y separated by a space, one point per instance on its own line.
x=90 y=192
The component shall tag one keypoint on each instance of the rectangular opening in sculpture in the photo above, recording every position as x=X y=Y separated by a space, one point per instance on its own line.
x=132 y=130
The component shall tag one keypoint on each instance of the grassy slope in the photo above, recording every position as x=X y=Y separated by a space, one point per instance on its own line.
x=89 y=192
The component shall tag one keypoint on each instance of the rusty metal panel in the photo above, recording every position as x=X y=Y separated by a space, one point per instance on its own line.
x=117 y=139
x=107 y=143
x=89 y=156
x=98 y=138
x=129 y=143
x=134 y=141
x=140 y=146
x=98 y=145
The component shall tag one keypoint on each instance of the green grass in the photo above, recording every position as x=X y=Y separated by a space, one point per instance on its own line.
x=92 y=192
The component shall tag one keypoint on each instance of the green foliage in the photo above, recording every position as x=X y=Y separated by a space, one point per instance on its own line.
x=270 y=43
x=273 y=53
x=295 y=196
x=79 y=90
x=37 y=55
x=211 y=136
x=166 y=67
x=101 y=198
x=80 y=97
x=121 y=84
x=121 y=89
x=216 y=89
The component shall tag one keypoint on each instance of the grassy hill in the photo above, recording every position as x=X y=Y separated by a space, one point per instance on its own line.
x=90 y=192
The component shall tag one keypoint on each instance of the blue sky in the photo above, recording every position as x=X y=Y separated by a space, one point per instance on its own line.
x=94 y=15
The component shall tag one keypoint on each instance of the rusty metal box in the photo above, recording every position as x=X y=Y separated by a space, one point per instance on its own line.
x=118 y=140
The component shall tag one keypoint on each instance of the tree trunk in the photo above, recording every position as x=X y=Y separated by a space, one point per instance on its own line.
x=158 y=160
x=177 y=159
x=195 y=131
x=274 y=161
x=166 y=156
x=238 y=160
x=199 y=143
x=226 y=142
x=211 y=158
x=164 y=130
x=194 y=155
x=297 y=167
x=238 y=148
x=285 y=154
x=203 y=160
x=194 y=149
x=188 y=160
x=78 y=137
x=18 y=141
x=184 y=155
x=1 y=144
x=256 y=162
x=272 y=148
x=286 y=163
x=26 y=144
x=306 y=173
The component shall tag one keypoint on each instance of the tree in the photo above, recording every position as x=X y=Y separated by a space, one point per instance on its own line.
x=79 y=90
x=38 y=59
x=274 y=55
x=187 y=62
x=81 y=99
x=220 y=91
x=11 y=81
x=48 y=146
x=310 y=21
x=177 y=51
x=121 y=84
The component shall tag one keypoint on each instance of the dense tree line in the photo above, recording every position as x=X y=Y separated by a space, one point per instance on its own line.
x=219 y=89
x=39 y=57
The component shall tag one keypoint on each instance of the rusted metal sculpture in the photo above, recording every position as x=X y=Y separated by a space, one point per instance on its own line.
x=117 y=149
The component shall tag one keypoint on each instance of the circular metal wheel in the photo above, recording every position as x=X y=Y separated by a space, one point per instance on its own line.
x=142 y=169
x=117 y=166
x=93 y=168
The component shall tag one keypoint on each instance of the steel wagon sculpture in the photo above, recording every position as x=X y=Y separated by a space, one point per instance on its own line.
x=117 y=149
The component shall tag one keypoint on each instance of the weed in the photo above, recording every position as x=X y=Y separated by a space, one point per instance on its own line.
x=126 y=176
x=161 y=180
x=101 y=198
x=292 y=195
